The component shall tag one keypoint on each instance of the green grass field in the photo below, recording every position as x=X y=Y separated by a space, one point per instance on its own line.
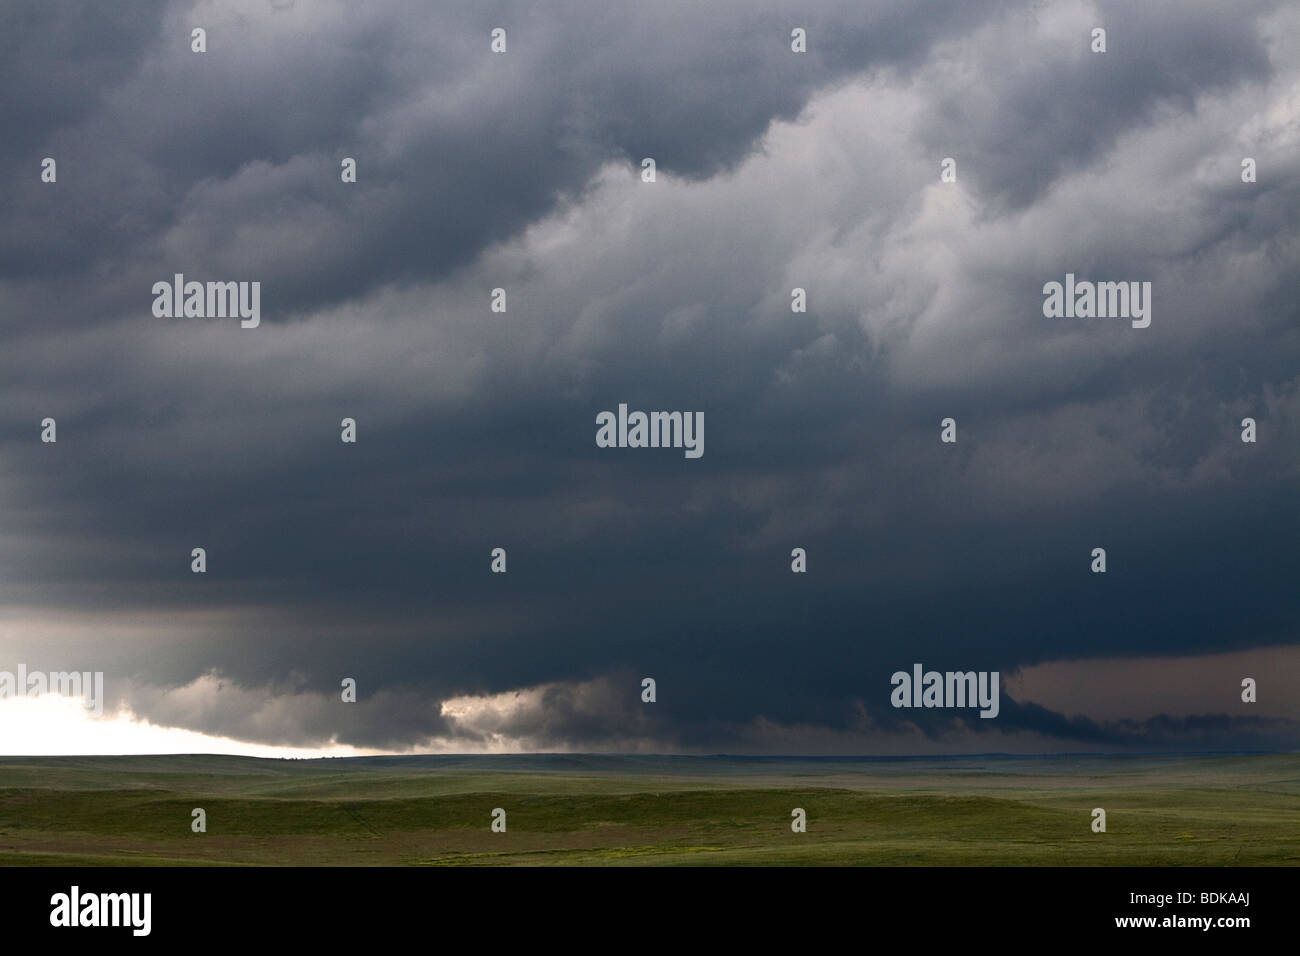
x=595 y=810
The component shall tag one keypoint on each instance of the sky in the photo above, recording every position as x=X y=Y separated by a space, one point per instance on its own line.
x=476 y=429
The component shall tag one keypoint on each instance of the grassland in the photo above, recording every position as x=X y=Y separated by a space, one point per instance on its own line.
x=651 y=811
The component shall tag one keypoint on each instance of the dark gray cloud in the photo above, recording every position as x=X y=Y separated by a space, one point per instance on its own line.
x=476 y=428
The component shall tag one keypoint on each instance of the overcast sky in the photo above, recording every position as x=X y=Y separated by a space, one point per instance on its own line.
x=476 y=429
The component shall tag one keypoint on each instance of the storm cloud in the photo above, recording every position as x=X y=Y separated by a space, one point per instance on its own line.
x=775 y=170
